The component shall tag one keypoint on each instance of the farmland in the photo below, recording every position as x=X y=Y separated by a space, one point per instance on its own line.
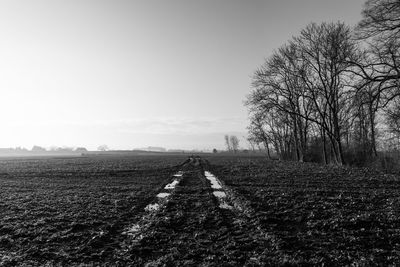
x=166 y=210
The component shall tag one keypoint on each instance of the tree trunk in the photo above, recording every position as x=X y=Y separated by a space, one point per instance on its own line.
x=325 y=154
x=336 y=131
x=267 y=147
x=297 y=141
x=340 y=152
x=372 y=125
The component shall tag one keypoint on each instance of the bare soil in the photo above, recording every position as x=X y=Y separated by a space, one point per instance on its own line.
x=76 y=211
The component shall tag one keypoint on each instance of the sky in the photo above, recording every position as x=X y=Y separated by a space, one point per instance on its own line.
x=132 y=74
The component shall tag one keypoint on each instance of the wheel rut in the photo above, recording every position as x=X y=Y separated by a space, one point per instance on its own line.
x=193 y=228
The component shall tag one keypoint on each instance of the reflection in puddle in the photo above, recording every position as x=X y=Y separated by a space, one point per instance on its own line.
x=218 y=191
x=171 y=185
x=178 y=174
x=219 y=194
x=222 y=200
x=225 y=205
x=214 y=182
x=163 y=195
x=135 y=230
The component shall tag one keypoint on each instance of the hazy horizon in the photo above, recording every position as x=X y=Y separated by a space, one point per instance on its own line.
x=133 y=74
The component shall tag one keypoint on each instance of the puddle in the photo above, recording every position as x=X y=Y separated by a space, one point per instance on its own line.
x=225 y=205
x=178 y=174
x=218 y=191
x=152 y=207
x=135 y=230
x=219 y=194
x=163 y=195
x=214 y=182
x=172 y=185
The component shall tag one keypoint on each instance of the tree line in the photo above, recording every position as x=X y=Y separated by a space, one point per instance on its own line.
x=332 y=93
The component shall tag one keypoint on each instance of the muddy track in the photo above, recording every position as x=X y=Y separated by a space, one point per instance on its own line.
x=192 y=228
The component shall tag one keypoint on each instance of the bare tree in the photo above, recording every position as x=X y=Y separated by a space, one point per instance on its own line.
x=306 y=86
x=234 y=141
x=252 y=142
x=306 y=80
x=367 y=102
x=279 y=86
x=380 y=29
x=393 y=118
x=380 y=68
x=327 y=89
x=380 y=17
x=325 y=49
x=227 y=142
x=257 y=134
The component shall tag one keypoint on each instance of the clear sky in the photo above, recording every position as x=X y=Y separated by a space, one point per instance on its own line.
x=171 y=73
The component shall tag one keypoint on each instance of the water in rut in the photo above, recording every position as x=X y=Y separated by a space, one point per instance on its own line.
x=198 y=224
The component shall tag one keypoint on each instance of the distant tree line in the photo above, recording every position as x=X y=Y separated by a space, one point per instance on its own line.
x=39 y=150
x=332 y=93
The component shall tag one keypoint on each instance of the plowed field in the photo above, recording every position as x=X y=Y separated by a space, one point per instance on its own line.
x=209 y=211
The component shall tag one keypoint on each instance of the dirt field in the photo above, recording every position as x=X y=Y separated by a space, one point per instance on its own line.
x=215 y=211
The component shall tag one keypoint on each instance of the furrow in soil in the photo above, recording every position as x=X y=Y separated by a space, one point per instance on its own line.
x=192 y=228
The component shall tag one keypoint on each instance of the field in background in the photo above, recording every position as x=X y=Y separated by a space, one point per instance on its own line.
x=74 y=210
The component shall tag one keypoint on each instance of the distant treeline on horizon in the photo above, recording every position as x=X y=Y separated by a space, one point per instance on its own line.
x=82 y=150
x=39 y=150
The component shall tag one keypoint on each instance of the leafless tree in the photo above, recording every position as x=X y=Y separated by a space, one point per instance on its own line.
x=327 y=89
x=325 y=49
x=380 y=30
x=307 y=81
x=252 y=142
x=258 y=134
x=380 y=17
x=379 y=69
x=227 y=143
x=234 y=141
x=278 y=85
x=393 y=118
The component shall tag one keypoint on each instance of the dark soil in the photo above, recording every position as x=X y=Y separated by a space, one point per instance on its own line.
x=321 y=215
x=192 y=230
x=74 y=212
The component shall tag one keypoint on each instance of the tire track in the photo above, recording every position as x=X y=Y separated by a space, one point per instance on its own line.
x=179 y=225
x=202 y=222
x=199 y=225
x=135 y=232
x=244 y=220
